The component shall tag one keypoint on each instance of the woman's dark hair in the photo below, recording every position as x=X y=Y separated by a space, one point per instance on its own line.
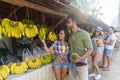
x=66 y=34
x=94 y=34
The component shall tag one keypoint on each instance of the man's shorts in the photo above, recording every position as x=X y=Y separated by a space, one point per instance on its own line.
x=108 y=52
x=59 y=65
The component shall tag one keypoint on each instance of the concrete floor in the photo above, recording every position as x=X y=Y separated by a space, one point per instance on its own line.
x=114 y=73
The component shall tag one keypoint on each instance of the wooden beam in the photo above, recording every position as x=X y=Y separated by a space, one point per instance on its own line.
x=36 y=7
x=14 y=2
x=59 y=22
x=69 y=7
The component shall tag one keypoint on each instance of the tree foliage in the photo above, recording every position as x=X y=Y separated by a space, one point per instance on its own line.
x=90 y=6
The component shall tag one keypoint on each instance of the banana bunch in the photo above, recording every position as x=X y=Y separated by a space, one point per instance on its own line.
x=36 y=63
x=52 y=54
x=12 y=28
x=30 y=30
x=4 y=72
x=43 y=32
x=52 y=57
x=0 y=32
x=52 y=36
x=46 y=59
x=43 y=60
x=18 y=68
x=3 y=23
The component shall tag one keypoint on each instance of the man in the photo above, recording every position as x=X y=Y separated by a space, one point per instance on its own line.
x=108 y=50
x=80 y=43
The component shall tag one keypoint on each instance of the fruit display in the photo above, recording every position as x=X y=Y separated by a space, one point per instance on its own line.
x=4 y=72
x=12 y=28
x=30 y=30
x=43 y=32
x=18 y=68
x=46 y=59
x=36 y=63
x=74 y=56
x=52 y=36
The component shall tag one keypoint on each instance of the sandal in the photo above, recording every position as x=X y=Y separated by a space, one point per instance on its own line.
x=105 y=69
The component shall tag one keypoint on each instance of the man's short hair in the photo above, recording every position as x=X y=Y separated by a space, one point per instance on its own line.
x=73 y=17
x=112 y=28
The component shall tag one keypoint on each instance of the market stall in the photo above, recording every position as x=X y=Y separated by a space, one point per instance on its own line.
x=22 y=21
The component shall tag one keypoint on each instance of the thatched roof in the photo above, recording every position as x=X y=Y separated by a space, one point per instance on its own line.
x=55 y=11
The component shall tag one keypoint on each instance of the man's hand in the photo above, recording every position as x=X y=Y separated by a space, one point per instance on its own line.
x=78 y=59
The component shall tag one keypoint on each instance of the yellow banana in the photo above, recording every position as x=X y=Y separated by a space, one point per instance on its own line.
x=4 y=21
x=12 y=67
x=4 y=75
x=1 y=78
x=6 y=68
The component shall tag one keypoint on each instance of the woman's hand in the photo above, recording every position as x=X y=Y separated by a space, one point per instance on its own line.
x=43 y=41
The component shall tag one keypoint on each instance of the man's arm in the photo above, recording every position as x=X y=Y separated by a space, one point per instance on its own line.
x=89 y=47
x=88 y=44
x=111 y=42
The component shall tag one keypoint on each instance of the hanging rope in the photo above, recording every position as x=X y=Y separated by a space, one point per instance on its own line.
x=31 y=14
x=27 y=14
x=43 y=18
x=14 y=15
x=36 y=17
x=53 y=25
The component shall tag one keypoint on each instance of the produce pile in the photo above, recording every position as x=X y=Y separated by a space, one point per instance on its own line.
x=18 y=68
x=4 y=72
x=27 y=28
x=22 y=67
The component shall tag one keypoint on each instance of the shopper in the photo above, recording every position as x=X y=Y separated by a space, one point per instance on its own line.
x=80 y=43
x=97 y=47
x=61 y=48
x=108 y=49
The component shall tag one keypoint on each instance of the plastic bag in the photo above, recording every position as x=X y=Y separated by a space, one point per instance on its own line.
x=27 y=55
x=9 y=59
x=37 y=52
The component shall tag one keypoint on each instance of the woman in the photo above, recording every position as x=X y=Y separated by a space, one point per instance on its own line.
x=97 y=43
x=61 y=49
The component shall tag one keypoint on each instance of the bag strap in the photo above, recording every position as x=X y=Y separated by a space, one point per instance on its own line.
x=29 y=51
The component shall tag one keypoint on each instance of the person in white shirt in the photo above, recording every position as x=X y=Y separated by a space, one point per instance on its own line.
x=108 y=49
